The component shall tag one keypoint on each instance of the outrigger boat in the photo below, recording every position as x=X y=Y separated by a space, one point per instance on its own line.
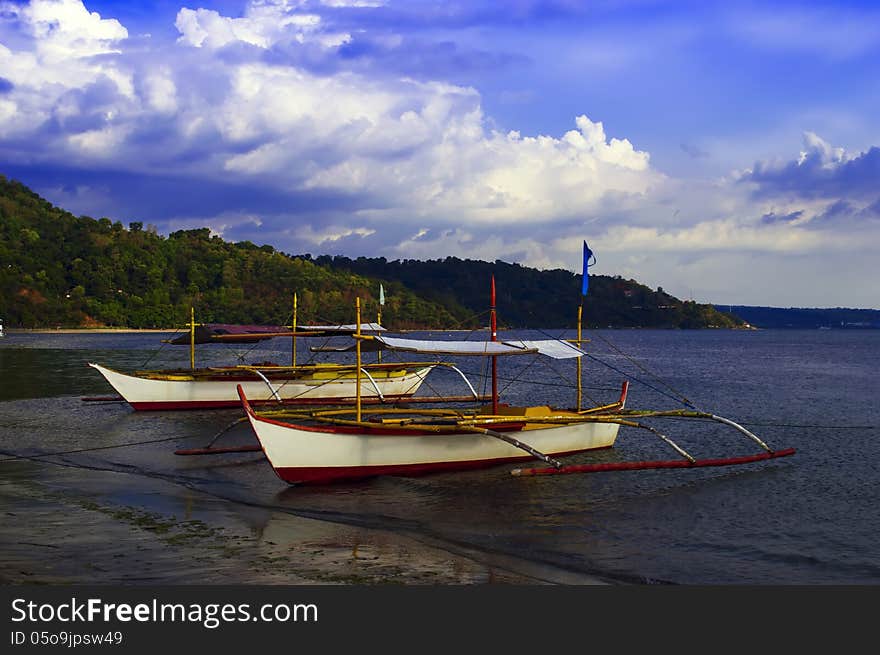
x=215 y=387
x=266 y=383
x=322 y=446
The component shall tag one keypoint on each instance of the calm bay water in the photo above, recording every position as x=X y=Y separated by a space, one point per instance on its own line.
x=808 y=519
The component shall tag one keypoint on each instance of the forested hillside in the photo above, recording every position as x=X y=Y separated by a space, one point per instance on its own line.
x=60 y=270
x=527 y=297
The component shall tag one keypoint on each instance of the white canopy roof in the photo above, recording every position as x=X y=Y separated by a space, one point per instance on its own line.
x=547 y=347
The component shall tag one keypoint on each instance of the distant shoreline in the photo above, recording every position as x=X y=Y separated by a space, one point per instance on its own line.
x=401 y=331
x=88 y=330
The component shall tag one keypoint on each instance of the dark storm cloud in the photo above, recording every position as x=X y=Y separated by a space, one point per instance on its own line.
x=837 y=211
x=417 y=56
x=772 y=217
x=816 y=177
x=158 y=199
x=872 y=210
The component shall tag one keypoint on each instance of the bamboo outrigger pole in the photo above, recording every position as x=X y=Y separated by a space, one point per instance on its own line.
x=293 y=329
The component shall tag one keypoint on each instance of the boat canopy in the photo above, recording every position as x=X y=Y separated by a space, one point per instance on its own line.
x=547 y=347
x=227 y=333
x=553 y=348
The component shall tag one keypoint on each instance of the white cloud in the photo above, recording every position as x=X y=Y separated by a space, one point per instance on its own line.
x=65 y=48
x=65 y=28
x=265 y=23
x=461 y=172
x=160 y=91
x=828 y=155
x=98 y=144
x=330 y=234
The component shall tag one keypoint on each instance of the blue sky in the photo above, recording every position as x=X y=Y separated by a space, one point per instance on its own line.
x=727 y=151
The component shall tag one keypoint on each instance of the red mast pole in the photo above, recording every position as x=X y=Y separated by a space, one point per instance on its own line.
x=494 y=329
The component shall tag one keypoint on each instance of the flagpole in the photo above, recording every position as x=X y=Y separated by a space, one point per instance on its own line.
x=585 y=282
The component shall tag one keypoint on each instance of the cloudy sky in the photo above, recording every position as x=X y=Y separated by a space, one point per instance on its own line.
x=727 y=151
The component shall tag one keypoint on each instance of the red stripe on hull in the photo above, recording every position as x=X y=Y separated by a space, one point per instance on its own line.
x=328 y=474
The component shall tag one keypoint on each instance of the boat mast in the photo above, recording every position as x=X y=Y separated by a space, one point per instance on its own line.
x=379 y=319
x=579 y=359
x=192 y=337
x=357 y=348
x=293 y=328
x=585 y=284
x=494 y=328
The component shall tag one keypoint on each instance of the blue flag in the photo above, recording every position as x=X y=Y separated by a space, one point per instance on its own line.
x=586 y=281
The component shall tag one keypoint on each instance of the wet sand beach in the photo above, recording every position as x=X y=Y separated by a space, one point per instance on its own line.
x=73 y=525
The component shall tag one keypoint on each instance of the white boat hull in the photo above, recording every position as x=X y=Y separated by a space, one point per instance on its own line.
x=320 y=454
x=156 y=394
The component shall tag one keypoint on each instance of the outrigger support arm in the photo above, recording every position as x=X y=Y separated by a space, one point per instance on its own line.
x=514 y=442
x=258 y=373
x=373 y=382
x=681 y=451
x=690 y=414
x=737 y=426
x=463 y=377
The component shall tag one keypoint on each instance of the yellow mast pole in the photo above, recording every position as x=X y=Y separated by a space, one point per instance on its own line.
x=293 y=327
x=192 y=337
x=579 y=359
x=357 y=349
